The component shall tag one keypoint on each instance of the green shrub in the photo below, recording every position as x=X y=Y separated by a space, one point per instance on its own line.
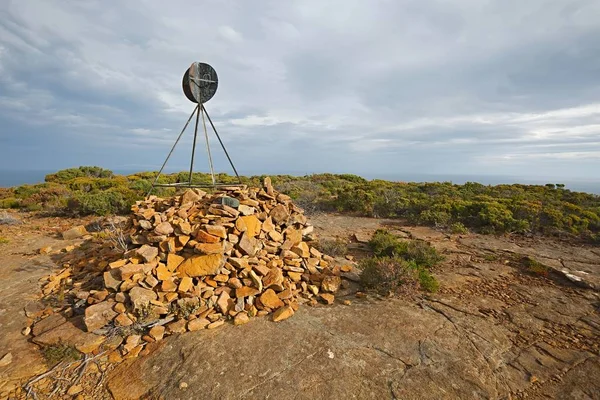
x=385 y=244
x=393 y=274
x=458 y=228
x=387 y=274
x=334 y=248
x=55 y=354
x=534 y=267
x=428 y=281
x=10 y=203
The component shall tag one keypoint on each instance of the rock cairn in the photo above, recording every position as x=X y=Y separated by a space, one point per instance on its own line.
x=200 y=260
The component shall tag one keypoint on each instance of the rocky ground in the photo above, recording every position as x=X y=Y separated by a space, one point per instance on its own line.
x=494 y=330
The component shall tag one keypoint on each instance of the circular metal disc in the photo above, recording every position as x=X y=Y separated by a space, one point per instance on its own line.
x=200 y=82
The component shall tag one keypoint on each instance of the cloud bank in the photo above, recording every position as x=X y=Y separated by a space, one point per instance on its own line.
x=501 y=87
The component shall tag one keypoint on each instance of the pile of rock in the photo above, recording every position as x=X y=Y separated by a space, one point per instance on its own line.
x=199 y=260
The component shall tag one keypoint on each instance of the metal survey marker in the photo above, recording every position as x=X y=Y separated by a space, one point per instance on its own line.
x=199 y=84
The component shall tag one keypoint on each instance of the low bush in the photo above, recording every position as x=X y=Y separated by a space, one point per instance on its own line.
x=535 y=267
x=385 y=244
x=55 y=354
x=334 y=248
x=388 y=275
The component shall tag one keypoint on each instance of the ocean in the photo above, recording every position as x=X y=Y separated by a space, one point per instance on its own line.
x=16 y=178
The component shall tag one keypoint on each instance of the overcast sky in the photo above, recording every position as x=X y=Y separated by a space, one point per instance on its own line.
x=500 y=87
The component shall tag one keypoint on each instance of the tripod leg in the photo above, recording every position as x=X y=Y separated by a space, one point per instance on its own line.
x=222 y=145
x=194 y=145
x=212 y=171
x=171 y=152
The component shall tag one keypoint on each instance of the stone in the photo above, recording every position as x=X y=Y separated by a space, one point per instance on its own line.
x=205 y=237
x=120 y=308
x=6 y=360
x=173 y=261
x=201 y=265
x=261 y=269
x=275 y=236
x=151 y=281
x=141 y=298
x=256 y=280
x=197 y=324
x=157 y=332
x=273 y=277
x=129 y=270
x=210 y=248
x=234 y=283
x=75 y=233
x=98 y=315
x=346 y=268
x=190 y=196
x=163 y=273
x=295 y=276
x=216 y=324
x=241 y=319
x=75 y=389
x=70 y=335
x=178 y=326
x=131 y=342
x=269 y=299
x=248 y=245
x=252 y=224
x=185 y=284
x=148 y=253
x=294 y=236
x=331 y=283
x=45 y=250
x=223 y=302
x=168 y=285
x=48 y=323
x=246 y=291
x=239 y=263
x=283 y=313
x=279 y=214
x=328 y=298
x=164 y=228
x=185 y=228
x=268 y=225
x=246 y=210
x=216 y=230
x=301 y=249
x=146 y=225
x=118 y=263
x=268 y=186
x=34 y=309
x=347 y=302
x=123 y=320
x=111 y=279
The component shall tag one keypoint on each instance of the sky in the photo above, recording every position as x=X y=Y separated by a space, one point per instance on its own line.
x=373 y=87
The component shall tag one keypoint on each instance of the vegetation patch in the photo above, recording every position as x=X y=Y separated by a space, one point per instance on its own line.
x=334 y=248
x=399 y=265
x=535 y=267
x=547 y=209
x=4 y=240
x=385 y=244
x=55 y=354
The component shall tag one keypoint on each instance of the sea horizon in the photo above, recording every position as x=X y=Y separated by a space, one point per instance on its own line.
x=13 y=178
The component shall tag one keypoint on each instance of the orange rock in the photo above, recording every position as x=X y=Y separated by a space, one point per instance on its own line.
x=205 y=237
x=185 y=284
x=270 y=299
x=245 y=291
x=283 y=313
x=201 y=265
x=328 y=298
x=173 y=261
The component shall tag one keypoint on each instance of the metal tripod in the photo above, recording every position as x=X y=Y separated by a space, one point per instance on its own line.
x=199 y=110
